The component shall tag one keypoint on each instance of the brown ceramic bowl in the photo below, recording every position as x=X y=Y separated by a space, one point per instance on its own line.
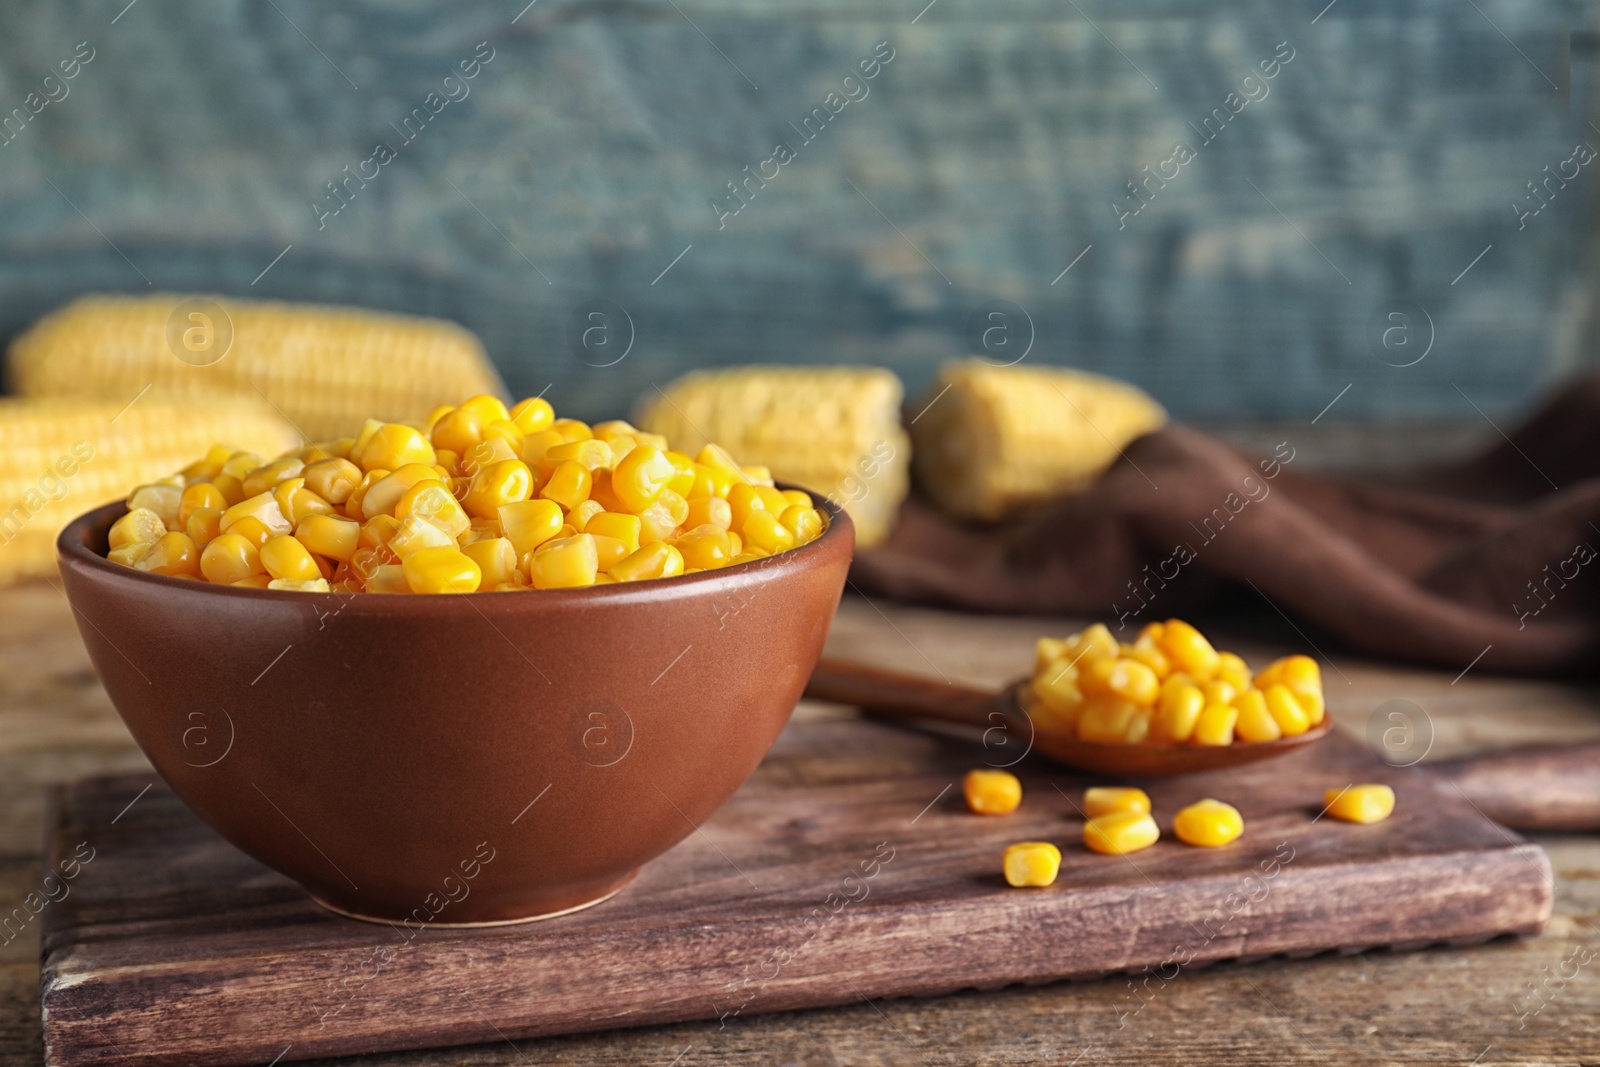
x=484 y=758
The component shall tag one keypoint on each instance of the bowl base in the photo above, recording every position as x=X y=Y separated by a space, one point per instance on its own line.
x=601 y=899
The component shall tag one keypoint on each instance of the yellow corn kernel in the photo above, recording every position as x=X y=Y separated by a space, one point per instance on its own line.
x=591 y=454
x=1215 y=725
x=1359 y=803
x=759 y=474
x=624 y=527
x=641 y=476
x=456 y=430
x=1137 y=732
x=487 y=408
x=1233 y=670
x=1146 y=650
x=383 y=496
x=200 y=495
x=209 y=465
x=1031 y=863
x=442 y=569
x=799 y=498
x=1286 y=711
x=496 y=559
x=354 y=504
x=172 y=554
x=1255 y=722
x=569 y=484
x=203 y=526
x=1106 y=719
x=1126 y=679
x=128 y=555
x=992 y=792
x=572 y=429
x=744 y=501
x=377 y=532
x=1092 y=643
x=487 y=453
x=536 y=446
x=579 y=516
x=609 y=551
x=416 y=533
x=139 y=526
x=240 y=464
x=255 y=581
x=262 y=507
x=388 y=578
x=1048 y=651
x=1208 y=824
x=505 y=430
x=1294 y=671
x=1058 y=702
x=1311 y=703
x=1105 y=799
x=1151 y=630
x=264 y=478
x=432 y=500
x=763 y=530
x=533 y=414
x=251 y=529
x=1178 y=711
x=684 y=477
x=435 y=413
x=654 y=560
x=298 y=585
x=296 y=502
x=564 y=562
x=530 y=523
x=1120 y=832
x=393 y=445
x=1188 y=650
x=656 y=523
x=721 y=468
x=231 y=488
x=332 y=479
x=285 y=557
x=803 y=522
x=705 y=547
x=330 y=536
x=506 y=481
x=1218 y=691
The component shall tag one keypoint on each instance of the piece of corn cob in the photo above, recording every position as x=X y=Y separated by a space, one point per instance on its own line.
x=833 y=430
x=60 y=457
x=325 y=368
x=990 y=441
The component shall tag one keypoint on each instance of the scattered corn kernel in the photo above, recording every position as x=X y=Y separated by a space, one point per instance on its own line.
x=992 y=792
x=1360 y=803
x=1119 y=832
x=445 y=569
x=1031 y=863
x=1208 y=824
x=1103 y=800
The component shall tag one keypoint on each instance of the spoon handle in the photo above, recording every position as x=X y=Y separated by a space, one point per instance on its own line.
x=1541 y=787
x=899 y=695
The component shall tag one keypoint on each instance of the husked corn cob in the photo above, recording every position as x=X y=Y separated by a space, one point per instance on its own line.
x=993 y=440
x=59 y=458
x=325 y=368
x=833 y=430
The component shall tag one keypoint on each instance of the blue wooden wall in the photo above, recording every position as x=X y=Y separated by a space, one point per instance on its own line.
x=585 y=168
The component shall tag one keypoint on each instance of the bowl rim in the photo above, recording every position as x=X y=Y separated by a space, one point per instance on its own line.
x=72 y=549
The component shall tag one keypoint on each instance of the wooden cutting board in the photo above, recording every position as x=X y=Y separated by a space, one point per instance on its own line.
x=847 y=868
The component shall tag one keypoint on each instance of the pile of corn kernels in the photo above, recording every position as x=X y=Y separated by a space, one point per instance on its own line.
x=1168 y=686
x=477 y=498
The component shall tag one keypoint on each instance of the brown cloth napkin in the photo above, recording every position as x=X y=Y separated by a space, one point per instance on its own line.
x=1439 y=566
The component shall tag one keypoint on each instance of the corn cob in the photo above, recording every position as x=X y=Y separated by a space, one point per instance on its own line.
x=324 y=368
x=832 y=430
x=59 y=458
x=994 y=440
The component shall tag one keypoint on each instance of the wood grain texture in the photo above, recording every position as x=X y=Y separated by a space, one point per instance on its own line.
x=824 y=880
x=1442 y=1006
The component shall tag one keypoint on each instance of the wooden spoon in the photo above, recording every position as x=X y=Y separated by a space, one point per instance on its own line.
x=1537 y=788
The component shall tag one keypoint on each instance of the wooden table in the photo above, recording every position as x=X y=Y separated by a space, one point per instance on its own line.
x=1455 y=1006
